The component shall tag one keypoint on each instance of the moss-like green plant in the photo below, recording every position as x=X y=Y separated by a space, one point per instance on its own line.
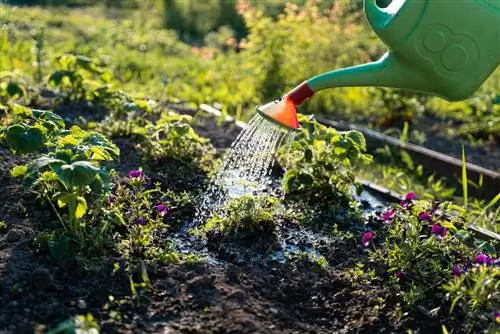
x=247 y=217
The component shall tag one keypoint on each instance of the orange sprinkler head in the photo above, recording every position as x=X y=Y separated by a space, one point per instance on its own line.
x=283 y=112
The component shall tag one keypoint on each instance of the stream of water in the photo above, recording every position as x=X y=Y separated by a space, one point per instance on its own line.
x=246 y=166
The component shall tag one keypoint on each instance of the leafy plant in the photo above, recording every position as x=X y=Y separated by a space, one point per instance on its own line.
x=12 y=87
x=420 y=245
x=172 y=137
x=73 y=167
x=30 y=130
x=76 y=74
x=321 y=160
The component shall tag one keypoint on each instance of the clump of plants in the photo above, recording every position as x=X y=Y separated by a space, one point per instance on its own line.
x=71 y=166
x=320 y=163
x=426 y=250
x=319 y=169
x=141 y=215
x=172 y=137
x=76 y=76
x=248 y=218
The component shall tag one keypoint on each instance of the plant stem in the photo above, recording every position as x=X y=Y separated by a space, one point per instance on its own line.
x=55 y=210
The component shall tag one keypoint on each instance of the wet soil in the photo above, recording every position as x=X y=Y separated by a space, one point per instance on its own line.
x=238 y=288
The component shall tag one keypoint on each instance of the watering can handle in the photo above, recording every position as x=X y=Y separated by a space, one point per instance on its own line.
x=377 y=12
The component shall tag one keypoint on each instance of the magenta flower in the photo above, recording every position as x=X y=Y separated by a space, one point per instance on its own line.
x=435 y=206
x=438 y=230
x=161 y=209
x=135 y=174
x=388 y=216
x=496 y=315
x=366 y=238
x=140 y=221
x=456 y=271
x=110 y=200
x=424 y=217
x=408 y=199
x=483 y=259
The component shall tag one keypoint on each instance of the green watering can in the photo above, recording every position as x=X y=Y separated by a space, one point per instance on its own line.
x=446 y=48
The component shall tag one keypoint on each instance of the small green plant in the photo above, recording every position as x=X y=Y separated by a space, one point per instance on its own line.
x=3 y=226
x=475 y=288
x=84 y=324
x=247 y=217
x=420 y=245
x=73 y=168
x=30 y=130
x=77 y=76
x=12 y=87
x=173 y=138
x=321 y=162
x=140 y=212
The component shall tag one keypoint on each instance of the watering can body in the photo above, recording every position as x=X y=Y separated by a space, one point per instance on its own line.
x=446 y=48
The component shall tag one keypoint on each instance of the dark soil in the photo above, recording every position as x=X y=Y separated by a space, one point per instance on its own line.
x=237 y=290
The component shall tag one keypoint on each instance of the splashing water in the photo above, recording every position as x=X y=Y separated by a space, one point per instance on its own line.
x=246 y=166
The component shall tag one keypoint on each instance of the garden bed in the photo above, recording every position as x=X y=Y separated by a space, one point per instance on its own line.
x=306 y=280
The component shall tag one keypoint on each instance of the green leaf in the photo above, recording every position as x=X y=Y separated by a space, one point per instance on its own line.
x=81 y=207
x=16 y=90
x=57 y=77
x=59 y=249
x=48 y=116
x=18 y=171
x=24 y=139
x=63 y=198
x=358 y=138
x=77 y=174
x=305 y=178
x=464 y=178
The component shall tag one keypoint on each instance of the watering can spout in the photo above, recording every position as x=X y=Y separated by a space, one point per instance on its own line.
x=386 y=72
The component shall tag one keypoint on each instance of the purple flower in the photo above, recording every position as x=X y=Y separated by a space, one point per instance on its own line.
x=135 y=174
x=161 y=209
x=424 y=217
x=483 y=259
x=496 y=315
x=403 y=234
x=110 y=200
x=456 y=271
x=140 y=221
x=400 y=274
x=435 y=206
x=438 y=230
x=408 y=199
x=367 y=236
x=388 y=216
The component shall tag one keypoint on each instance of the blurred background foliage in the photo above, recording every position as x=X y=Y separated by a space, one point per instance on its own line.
x=236 y=54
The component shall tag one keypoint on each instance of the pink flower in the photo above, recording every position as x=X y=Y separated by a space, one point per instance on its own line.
x=438 y=230
x=408 y=199
x=365 y=239
x=424 y=216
